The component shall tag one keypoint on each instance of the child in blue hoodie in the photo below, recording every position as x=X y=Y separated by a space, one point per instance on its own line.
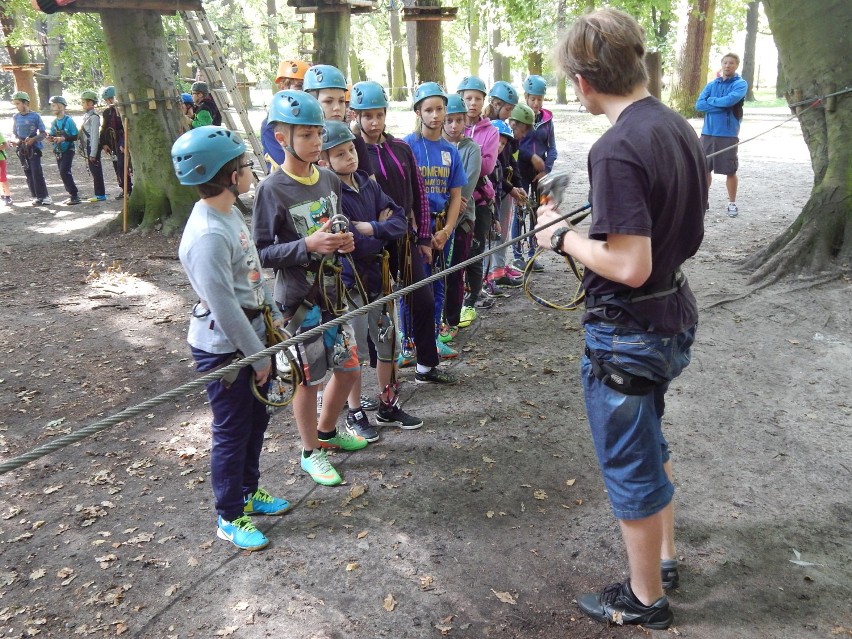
x=536 y=154
x=375 y=220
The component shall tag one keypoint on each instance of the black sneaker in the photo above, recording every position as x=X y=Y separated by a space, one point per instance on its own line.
x=393 y=415
x=435 y=376
x=369 y=403
x=537 y=267
x=357 y=424
x=617 y=604
x=508 y=282
x=669 y=573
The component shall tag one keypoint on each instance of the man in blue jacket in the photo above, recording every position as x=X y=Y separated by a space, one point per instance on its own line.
x=721 y=101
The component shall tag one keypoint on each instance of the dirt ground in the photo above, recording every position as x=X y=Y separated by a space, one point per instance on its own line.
x=484 y=524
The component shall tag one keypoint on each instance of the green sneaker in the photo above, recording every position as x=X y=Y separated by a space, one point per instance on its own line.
x=345 y=441
x=262 y=503
x=242 y=533
x=468 y=314
x=320 y=469
x=447 y=333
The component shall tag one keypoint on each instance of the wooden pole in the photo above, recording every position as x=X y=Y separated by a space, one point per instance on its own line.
x=126 y=171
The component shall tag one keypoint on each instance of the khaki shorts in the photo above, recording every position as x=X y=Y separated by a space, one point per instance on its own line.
x=380 y=327
x=332 y=350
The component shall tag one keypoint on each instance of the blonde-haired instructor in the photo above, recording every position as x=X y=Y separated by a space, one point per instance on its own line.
x=648 y=194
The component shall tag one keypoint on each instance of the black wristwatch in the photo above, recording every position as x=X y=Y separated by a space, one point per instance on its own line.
x=556 y=239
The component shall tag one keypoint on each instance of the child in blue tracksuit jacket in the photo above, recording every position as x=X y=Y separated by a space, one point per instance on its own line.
x=375 y=221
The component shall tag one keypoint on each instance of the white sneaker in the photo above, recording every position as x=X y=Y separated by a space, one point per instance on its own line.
x=733 y=211
x=47 y=201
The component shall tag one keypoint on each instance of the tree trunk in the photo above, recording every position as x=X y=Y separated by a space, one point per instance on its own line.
x=24 y=80
x=499 y=61
x=535 y=62
x=561 y=82
x=475 y=51
x=411 y=42
x=821 y=237
x=653 y=64
x=750 y=46
x=272 y=32
x=692 y=63
x=157 y=195
x=397 y=75
x=331 y=41
x=780 y=80
x=430 y=55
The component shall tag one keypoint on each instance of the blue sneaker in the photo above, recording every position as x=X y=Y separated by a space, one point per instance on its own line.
x=98 y=198
x=407 y=357
x=444 y=351
x=262 y=503
x=242 y=533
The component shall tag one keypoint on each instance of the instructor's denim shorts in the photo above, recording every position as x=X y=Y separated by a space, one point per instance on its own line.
x=627 y=429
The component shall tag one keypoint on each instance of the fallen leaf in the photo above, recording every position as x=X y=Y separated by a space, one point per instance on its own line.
x=505 y=597
x=192 y=561
x=52 y=489
x=356 y=491
x=426 y=582
x=445 y=630
x=489 y=514
x=570 y=482
x=539 y=494
x=171 y=590
x=227 y=631
x=352 y=566
x=241 y=605
x=120 y=627
x=389 y=603
x=38 y=573
x=488 y=460
x=363 y=534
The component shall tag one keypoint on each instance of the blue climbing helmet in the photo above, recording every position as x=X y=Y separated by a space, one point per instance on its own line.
x=334 y=134
x=295 y=107
x=107 y=92
x=428 y=90
x=324 y=76
x=455 y=104
x=186 y=98
x=198 y=154
x=368 y=95
x=471 y=83
x=503 y=128
x=535 y=85
x=504 y=91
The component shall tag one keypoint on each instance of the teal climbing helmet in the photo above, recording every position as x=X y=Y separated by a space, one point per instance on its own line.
x=455 y=104
x=107 y=92
x=504 y=91
x=471 y=83
x=198 y=154
x=295 y=107
x=323 y=76
x=503 y=129
x=368 y=95
x=334 y=134
x=535 y=85
x=428 y=90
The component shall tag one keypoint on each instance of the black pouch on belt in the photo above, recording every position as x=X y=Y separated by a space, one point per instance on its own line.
x=618 y=379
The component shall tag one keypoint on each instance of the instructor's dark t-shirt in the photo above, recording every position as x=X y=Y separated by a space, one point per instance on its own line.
x=648 y=177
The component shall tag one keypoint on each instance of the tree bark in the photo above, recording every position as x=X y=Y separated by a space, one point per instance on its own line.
x=397 y=75
x=780 y=80
x=692 y=63
x=272 y=32
x=157 y=195
x=821 y=237
x=750 y=47
x=331 y=41
x=475 y=50
x=500 y=62
x=535 y=62
x=24 y=80
x=430 y=54
x=561 y=82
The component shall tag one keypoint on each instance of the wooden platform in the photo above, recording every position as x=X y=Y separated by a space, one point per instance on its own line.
x=82 y=6
x=420 y=13
x=332 y=6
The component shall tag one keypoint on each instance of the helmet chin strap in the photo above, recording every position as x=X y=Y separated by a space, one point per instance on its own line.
x=289 y=148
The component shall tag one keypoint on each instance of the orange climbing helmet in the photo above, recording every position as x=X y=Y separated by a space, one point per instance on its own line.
x=295 y=69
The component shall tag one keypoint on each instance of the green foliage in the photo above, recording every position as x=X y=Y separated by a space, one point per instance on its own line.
x=729 y=20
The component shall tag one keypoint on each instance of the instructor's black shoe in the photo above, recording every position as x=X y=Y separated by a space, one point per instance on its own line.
x=669 y=573
x=617 y=604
